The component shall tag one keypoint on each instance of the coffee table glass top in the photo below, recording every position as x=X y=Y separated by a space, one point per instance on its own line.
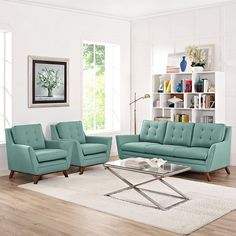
x=167 y=169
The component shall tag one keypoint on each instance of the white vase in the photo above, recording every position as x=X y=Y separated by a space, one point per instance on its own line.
x=196 y=68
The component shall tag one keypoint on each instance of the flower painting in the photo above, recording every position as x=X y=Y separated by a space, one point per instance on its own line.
x=48 y=82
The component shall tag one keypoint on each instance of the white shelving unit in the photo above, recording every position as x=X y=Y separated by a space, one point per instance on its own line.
x=206 y=105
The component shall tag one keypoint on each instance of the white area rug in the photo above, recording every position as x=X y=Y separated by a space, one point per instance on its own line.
x=208 y=202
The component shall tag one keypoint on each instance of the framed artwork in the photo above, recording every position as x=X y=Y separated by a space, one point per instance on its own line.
x=48 y=81
x=173 y=62
x=209 y=51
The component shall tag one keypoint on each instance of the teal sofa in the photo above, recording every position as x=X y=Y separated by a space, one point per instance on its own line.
x=203 y=147
x=29 y=152
x=87 y=150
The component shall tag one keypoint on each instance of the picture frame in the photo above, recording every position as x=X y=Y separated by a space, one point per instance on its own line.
x=48 y=81
x=209 y=51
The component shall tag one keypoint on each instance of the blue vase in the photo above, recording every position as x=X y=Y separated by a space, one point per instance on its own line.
x=183 y=64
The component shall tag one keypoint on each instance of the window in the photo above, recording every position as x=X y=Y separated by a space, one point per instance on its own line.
x=5 y=82
x=101 y=87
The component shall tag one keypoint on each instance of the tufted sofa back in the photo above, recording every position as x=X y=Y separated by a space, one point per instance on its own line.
x=153 y=131
x=31 y=135
x=178 y=133
x=71 y=130
x=204 y=135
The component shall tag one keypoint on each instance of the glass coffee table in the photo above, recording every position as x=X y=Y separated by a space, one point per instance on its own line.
x=157 y=173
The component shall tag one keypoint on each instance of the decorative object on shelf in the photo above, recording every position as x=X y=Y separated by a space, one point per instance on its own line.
x=178 y=88
x=199 y=86
x=167 y=86
x=173 y=101
x=135 y=111
x=179 y=105
x=48 y=81
x=211 y=88
x=159 y=118
x=197 y=57
x=161 y=86
x=188 y=86
x=206 y=119
x=183 y=64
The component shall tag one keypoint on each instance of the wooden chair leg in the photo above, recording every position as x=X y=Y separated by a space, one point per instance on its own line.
x=227 y=170
x=65 y=173
x=81 y=170
x=207 y=174
x=36 y=178
x=11 y=174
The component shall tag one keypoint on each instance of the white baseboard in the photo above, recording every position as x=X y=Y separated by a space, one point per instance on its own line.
x=4 y=172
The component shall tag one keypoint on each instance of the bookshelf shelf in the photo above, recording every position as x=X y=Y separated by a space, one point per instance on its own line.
x=195 y=97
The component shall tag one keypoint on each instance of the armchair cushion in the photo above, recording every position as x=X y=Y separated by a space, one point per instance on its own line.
x=93 y=148
x=44 y=155
x=71 y=130
x=30 y=135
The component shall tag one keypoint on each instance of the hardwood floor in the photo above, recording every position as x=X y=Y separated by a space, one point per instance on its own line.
x=27 y=213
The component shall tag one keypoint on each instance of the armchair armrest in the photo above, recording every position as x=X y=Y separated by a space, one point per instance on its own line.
x=22 y=158
x=66 y=145
x=98 y=139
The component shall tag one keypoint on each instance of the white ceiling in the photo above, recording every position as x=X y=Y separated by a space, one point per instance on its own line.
x=126 y=9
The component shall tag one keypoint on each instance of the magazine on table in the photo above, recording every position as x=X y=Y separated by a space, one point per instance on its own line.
x=139 y=162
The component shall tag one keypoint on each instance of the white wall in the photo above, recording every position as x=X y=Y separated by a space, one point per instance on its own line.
x=176 y=31
x=57 y=33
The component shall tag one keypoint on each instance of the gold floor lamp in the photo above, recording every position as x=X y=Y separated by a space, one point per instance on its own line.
x=134 y=102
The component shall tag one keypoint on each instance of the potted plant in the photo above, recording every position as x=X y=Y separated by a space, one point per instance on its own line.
x=49 y=80
x=197 y=58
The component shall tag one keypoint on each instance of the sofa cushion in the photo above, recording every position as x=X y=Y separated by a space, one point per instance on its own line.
x=71 y=130
x=50 y=154
x=196 y=153
x=204 y=135
x=30 y=135
x=153 y=131
x=162 y=149
x=136 y=146
x=178 y=133
x=93 y=148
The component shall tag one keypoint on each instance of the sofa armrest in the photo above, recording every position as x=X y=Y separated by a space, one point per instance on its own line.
x=22 y=158
x=122 y=139
x=220 y=153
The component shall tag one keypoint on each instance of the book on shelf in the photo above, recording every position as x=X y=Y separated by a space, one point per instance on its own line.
x=182 y=118
x=159 y=118
x=208 y=101
x=206 y=119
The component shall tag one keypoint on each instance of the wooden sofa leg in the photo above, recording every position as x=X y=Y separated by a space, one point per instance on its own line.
x=227 y=170
x=11 y=174
x=65 y=173
x=207 y=174
x=36 y=178
x=81 y=170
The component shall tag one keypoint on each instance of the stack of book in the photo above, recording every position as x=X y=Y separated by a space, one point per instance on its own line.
x=206 y=119
x=182 y=118
x=208 y=101
x=136 y=162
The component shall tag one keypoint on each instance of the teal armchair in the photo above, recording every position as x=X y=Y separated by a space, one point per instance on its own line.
x=29 y=152
x=87 y=150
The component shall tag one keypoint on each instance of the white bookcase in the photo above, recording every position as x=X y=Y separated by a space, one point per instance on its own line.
x=206 y=105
